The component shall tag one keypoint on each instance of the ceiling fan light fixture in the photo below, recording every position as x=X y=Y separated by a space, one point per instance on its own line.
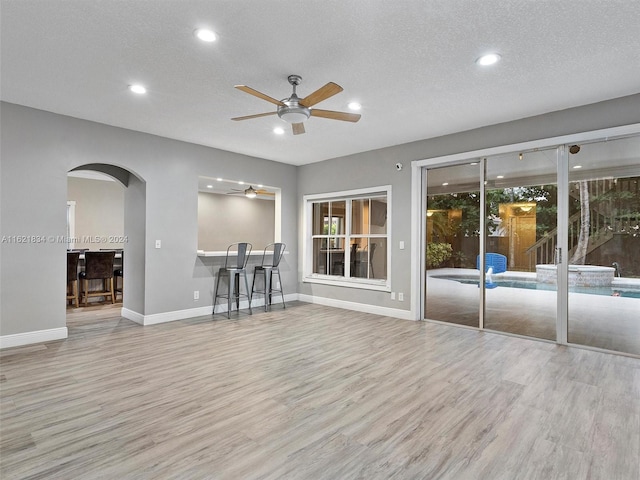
x=294 y=113
x=295 y=110
x=250 y=192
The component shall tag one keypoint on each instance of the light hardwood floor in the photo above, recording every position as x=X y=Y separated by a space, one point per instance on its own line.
x=313 y=392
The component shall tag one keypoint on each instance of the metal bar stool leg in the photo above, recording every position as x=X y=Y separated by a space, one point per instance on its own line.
x=253 y=286
x=281 y=288
x=215 y=295
x=267 y=288
x=246 y=286
x=229 y=294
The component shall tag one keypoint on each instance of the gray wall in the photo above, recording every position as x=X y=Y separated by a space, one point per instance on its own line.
x=38 y=149
x=227 y=219
x=135 y=215
x=377 y=167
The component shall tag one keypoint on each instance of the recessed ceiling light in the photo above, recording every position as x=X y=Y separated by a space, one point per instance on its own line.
x=278 y=130
x=219 y=179
x=137 y=88
x=209 y=186
x=205 y=35
x=240 y=182
x=577 y=166
x=260 y=185
x=473 y=163
x=354 y=106
x=488 y=59
x=445 y=184
x=500 y=176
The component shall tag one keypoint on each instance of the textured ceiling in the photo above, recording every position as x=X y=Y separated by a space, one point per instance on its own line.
x=410 y=63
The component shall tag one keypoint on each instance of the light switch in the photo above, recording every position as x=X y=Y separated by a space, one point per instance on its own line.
x=401 y=244
x=158 y=244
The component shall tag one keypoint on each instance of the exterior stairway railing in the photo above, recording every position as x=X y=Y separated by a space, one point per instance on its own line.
x=603 y=224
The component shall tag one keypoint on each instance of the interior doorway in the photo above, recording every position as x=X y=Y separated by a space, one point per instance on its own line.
x=107 y=217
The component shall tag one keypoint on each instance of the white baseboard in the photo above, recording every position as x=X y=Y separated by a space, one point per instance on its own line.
x=257 y=302
x=27 y=338
x=358 y=307
x=164 y=317
x=133 y=316
x=7 y=341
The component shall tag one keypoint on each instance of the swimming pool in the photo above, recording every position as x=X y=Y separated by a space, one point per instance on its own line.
x=628 y=292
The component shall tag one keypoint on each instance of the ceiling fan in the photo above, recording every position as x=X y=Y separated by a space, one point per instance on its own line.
x=251 y=192
x=296 y=110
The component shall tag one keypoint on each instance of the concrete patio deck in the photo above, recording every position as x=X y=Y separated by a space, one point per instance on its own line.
x=609 y=322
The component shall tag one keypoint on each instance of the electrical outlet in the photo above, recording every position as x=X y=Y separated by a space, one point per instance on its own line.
x=393 y=295
x=196 y=295
x=401 y=297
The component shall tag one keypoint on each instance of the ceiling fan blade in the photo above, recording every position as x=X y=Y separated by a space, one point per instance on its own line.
x=329 y=90
x=257 y=115
x=258 y=94
x=298 y=128
x=345 y=117
x=264 y=192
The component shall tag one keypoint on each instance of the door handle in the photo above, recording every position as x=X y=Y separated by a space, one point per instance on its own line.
x=558 y=256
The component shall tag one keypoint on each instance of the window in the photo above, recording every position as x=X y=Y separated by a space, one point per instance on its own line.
x=347 y=238
x=71 y=224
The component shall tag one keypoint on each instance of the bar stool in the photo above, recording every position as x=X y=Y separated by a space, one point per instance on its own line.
x=233 y=273
x=276 y=250
x=72 y=276
x=118 y=272
x=98 y=266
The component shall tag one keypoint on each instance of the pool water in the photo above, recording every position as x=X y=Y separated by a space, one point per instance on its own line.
x=608 y=291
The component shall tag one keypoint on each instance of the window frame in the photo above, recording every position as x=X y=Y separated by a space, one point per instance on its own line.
x=71 y=224
x=307 y=254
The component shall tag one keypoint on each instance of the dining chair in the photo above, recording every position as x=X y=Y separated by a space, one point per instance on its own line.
x=118 y=272
x=72 y=276
x=98 y=266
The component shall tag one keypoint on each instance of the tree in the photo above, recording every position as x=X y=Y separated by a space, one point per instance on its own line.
x=580 y=253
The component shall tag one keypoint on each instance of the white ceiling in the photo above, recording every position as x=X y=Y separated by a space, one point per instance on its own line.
x=409 y=62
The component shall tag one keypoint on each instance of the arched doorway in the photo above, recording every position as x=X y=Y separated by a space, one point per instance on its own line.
x=128 y=235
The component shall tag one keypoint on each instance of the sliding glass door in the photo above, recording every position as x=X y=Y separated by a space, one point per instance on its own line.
x=452 y=225
x=521 y=236
x=604 y=244
x=559 y=232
